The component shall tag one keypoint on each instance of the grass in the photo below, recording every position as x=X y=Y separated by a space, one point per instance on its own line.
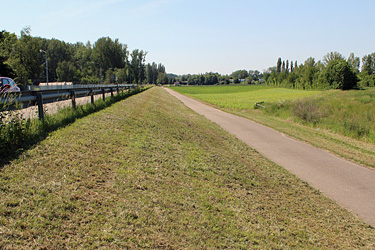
x=244 y=96
x=342 y=122
x=18 y=133
x=147 y=172
x=350 y=113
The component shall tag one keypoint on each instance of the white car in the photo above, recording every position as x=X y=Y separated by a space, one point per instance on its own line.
x=8 y=85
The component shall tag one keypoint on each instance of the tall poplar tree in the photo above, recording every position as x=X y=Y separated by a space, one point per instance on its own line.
x=278 y=65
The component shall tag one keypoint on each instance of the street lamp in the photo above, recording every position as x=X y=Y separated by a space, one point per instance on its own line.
x=43 y=51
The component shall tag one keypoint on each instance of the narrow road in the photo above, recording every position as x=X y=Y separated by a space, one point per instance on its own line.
x=350 y=185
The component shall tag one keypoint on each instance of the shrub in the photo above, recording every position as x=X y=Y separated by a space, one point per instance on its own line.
x=308 y=111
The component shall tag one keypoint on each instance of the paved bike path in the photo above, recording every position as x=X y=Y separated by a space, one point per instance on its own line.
x=350 y=185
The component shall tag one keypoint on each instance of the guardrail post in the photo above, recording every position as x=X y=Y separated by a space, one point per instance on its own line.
x=111 y=91
x=39 y=100
x=117 y=89
x=103 y=92
x=73 y=97
x=92 y=96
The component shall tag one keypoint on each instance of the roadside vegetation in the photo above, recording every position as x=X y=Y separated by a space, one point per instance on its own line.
x=147 y=172
x=105 y=61
x=342 y=122
x=18 y=133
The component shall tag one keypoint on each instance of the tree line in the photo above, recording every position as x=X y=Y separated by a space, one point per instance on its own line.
x=109 y=61
x=105 y=61
x=333 y=72
x=211 y=78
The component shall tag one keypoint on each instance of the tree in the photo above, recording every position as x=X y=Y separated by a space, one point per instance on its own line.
x=110 y=76
x=339 y=75
x=82 y=58
x=278 y=65
x=57 y=52
x=162 y=78
x=153 y=71
x=210 y=78
x=367 y=74
x=66 y=71
x=368 y=64
x=332 y=56
x=137 y=66
x=239 y=74
x=109 y=53
x=291 y=67
x=354 y=62
x=121 y=75
x=7 y=43
x=24 y=58
x=149 y=73
x=308 y=74
x=196 y=80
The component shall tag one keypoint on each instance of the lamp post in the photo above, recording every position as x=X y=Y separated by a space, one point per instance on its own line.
x=43 y=51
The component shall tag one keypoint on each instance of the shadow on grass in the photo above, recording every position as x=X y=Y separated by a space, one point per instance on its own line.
x=19 y=135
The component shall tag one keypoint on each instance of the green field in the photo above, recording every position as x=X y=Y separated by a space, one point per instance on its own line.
x=342 y=122
x=242 y=97
x=148 y=173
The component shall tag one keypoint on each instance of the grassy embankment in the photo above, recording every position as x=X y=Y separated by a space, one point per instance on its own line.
x=18 y=133
x=342 y=122
x=148 y=172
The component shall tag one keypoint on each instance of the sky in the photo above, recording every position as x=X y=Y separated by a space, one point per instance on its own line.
x=198 y=36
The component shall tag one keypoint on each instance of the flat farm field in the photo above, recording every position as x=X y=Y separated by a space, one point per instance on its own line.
x=243 y=96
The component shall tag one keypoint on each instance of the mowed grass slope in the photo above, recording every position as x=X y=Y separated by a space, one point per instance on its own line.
x=147 y=172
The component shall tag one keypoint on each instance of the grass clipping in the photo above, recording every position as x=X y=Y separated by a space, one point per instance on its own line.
x=147 y=172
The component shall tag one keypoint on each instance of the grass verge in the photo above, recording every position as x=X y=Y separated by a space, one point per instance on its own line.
x=18 y=133
x=147 y=172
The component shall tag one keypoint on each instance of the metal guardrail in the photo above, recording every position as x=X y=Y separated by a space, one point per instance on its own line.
x=39 y=97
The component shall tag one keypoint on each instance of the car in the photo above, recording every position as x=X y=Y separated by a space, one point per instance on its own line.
x=8 y=85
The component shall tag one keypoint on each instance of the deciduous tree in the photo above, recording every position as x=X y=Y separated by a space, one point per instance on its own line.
x=339 y=75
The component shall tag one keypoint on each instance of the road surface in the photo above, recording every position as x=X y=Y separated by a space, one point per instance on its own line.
x=350 y=185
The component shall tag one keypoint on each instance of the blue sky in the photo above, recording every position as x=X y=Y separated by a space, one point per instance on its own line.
x=191 y=36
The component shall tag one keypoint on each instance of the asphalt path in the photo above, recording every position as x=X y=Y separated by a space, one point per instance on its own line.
x=352 y=186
